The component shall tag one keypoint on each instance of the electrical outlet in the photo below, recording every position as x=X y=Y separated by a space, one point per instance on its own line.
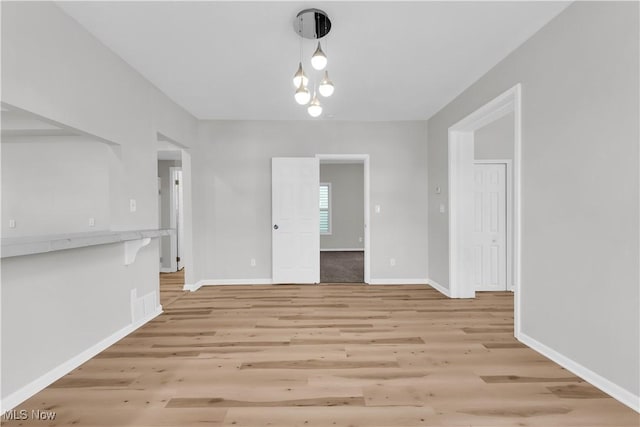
x=441 y=207
x=92 y=222
x=253 y=262
x=377 y=208
x=132 y=205
x=392 y=262
x=12 y=223
x=360 y=239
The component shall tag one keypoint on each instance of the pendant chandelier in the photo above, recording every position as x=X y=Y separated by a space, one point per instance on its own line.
x=312 y=24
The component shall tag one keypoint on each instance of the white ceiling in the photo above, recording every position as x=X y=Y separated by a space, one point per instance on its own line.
x=388 y=60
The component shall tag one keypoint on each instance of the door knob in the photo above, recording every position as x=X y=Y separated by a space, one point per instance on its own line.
x=275 y=227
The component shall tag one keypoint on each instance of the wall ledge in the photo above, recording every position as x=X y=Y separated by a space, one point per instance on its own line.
x=31 y=245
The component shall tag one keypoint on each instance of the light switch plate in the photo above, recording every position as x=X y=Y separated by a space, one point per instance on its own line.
x=441 y=207
x=12 y=223
x=132 y=205
x=377 y=208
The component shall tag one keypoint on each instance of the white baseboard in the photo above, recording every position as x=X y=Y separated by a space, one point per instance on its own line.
x=613 y=390
x=226 y=282
x=438 y=287
x=192 y=287
x=343 y=250
x=19 y=396
x=398 y=281
x=166 y=270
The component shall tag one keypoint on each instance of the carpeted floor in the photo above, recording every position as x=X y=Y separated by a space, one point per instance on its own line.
x=342 y=267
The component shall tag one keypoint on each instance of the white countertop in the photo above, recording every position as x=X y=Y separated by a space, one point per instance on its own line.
x=29 y=245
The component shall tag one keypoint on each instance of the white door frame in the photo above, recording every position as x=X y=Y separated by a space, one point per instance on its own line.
x=461 y=158
x=509 y=214
x=173 y=217
x=364 y=159
x=187 y=224
x=177 y=217
x=160 y=219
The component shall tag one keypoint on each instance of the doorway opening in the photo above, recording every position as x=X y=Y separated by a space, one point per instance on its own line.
x=295 y=235
x=462 y=178
x=341 y=222
x=170 y=210
x=173 y=168
x=344 y=218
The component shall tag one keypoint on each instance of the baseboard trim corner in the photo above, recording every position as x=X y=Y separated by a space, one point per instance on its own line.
x=398 y=282
x=620 y=394
x=39 y=384
x=192 y=287
x=438 y=287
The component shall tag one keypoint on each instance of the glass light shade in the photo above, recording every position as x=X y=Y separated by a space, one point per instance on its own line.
x=302 y=94
x=326 y=86
x=319 y=59
x=300 y=76
x=314 y=109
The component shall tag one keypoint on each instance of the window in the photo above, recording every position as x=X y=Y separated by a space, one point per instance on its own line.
x=325 y=208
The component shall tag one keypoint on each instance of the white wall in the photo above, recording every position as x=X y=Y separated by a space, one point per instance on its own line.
x=68 y=302
x=54 y=185
x=347 y=206
x=495 y=140
x=53 y=67
x=58 y=305
x=580 y=186
x=232 y=191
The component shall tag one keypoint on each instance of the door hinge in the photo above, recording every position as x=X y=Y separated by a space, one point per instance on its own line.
x=177 y=182
x=178 y=259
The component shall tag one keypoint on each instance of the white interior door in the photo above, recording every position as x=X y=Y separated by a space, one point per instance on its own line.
x=490 y=227
x=295 y=220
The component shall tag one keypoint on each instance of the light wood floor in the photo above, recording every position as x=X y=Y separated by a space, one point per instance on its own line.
x=171 y=285
x=328 y=355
